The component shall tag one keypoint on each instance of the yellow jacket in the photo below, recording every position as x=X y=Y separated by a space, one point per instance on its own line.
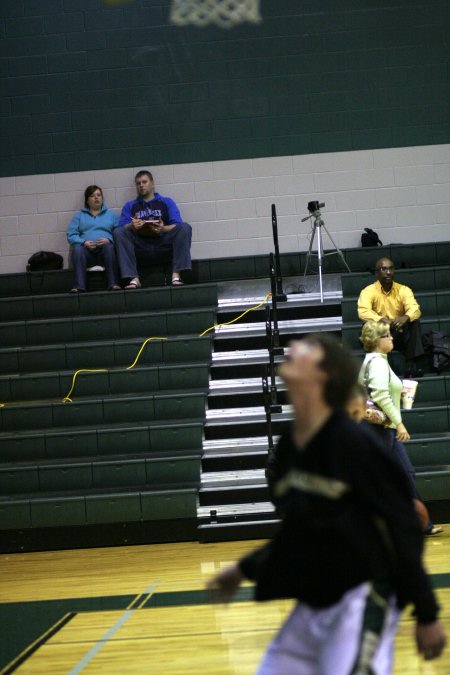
x=374 y=302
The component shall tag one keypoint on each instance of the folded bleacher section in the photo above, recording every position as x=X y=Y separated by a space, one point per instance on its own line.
x=120 y=460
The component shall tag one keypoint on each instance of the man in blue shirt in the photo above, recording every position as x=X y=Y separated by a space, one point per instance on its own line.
x=151 y=231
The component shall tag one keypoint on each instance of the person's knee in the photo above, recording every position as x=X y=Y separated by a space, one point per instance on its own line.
x=77 y=253
x=185 y=229
x=120 y=234
x=108 y=250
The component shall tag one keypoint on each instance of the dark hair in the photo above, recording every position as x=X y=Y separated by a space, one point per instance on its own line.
x=340 y=366
x=380 y=260
x=144 y=172
x=90 y=191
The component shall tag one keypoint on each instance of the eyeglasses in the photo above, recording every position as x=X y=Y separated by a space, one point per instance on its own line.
x=385 y=268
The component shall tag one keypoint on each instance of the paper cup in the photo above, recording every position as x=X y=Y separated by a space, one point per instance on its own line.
x=408 y=393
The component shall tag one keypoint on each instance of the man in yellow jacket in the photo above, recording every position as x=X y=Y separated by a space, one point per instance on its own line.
x=386 y=300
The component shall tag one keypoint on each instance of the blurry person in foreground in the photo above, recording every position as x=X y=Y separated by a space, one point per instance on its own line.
x=349 y=547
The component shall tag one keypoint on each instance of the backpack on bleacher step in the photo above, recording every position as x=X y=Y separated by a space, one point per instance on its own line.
x=370 y=238
x=44 y=260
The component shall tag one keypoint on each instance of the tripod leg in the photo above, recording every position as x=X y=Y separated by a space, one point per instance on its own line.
x=319 y=260
x=338 y=250
x=308 y=257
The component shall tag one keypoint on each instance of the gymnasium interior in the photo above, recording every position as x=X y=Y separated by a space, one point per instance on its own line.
x=135 y=426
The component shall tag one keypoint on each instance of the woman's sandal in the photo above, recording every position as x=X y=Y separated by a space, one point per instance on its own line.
x=134 y=283
x=115 y=287
x=177 y=282
x=77 y=290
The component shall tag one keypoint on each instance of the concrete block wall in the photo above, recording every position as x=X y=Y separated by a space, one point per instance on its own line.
x=402 y=193
x=344 y=101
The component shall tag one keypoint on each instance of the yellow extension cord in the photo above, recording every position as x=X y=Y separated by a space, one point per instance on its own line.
x=67 y=398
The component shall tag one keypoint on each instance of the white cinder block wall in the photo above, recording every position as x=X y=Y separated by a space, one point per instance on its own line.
x=402 y=193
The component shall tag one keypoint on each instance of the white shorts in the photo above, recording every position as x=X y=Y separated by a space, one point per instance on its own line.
x=353 y=637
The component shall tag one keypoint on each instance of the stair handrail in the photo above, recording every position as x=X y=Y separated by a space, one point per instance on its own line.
x=267 y=406
x=272 y=349
x=279 y=293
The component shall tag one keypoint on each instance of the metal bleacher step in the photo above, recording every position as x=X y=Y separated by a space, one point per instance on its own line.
x=231 y=522
x=247 y=385
x=250 y=509
x=230 y=446
x=220 y=479
x=235 y=454
x=285 y=327
x=229 y=416
x=311 y=299
x=242 y=357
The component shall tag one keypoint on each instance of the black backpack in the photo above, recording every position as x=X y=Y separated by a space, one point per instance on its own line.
x=370 y=238
x=44 y=260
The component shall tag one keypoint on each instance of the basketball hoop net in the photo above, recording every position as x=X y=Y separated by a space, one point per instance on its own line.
x=224 y=13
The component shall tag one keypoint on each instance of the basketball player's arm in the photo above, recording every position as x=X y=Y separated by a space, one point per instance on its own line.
x=383 y=487
x=430 y=640
x=223 y=585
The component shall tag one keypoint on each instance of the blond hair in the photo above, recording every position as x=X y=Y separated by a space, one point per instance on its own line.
x=371 y=332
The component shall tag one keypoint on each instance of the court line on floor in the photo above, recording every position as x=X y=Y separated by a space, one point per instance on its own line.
x=441 y=580
x=130 y=611
x=26 y=653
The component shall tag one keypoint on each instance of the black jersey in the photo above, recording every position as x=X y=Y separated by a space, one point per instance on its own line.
x=347 y=517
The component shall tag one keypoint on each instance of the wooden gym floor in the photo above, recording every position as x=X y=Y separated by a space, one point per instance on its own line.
x=142 y=609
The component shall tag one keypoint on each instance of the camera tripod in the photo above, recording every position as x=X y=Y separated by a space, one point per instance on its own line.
x=314 y=208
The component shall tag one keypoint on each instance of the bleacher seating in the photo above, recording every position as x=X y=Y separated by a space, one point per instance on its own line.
x=125 y=450
x=429 y=420
x=122 y=461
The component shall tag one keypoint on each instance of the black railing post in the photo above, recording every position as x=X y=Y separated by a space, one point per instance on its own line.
x=275 y=331
x=281 y=296
x=265 y=387
x=270 y=368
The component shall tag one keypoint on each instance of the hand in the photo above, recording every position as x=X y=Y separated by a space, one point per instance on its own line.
x=103 y=241
x=402 y=434
x=430 y=640
x=90 y=244
x=157 y=226
x=222 y=587
x=399 y=321
x=137 y=223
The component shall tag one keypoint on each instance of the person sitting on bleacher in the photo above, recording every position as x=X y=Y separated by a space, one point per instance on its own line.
x=90 y=237
x=395 y=304
x=151 y=230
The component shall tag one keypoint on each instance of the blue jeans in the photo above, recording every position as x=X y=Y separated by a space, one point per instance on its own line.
x=399 y=453
x=132 y=248
x=83 y=257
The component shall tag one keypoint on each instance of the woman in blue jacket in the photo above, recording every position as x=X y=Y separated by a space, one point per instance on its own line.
x=90 y=236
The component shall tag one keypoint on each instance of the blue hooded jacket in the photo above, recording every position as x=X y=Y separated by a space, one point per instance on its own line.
x=84 y=226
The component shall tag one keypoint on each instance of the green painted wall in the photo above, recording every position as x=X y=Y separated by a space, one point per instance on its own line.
x=85 y=84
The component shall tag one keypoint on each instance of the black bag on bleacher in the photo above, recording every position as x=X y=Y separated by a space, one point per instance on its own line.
x=438 y=344
x=370 y=238
x=44 y=260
